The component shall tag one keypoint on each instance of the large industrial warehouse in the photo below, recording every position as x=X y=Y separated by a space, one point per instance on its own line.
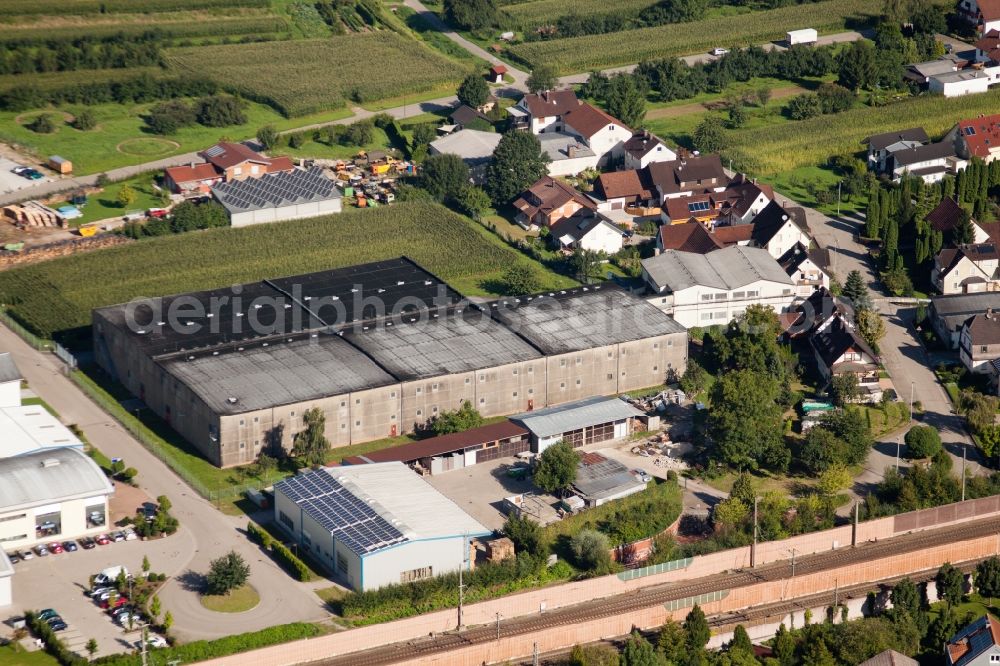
x=381 y=348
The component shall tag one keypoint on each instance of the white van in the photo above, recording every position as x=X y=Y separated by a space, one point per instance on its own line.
x=109 y=575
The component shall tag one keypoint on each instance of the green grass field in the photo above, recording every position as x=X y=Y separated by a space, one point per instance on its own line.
x=56 y=296
x=120 y=138
x=580 y=54
x=11 y=657
x=306 y=76
x=533 y=14
x=105 y=205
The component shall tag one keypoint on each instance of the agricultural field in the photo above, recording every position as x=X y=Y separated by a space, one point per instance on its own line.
x=306 y=76
x=765 y=152
x=169 y=26
x=581 y=54
x=69 y=7
x=120 y=138
x=541 y=11
x=55 y=297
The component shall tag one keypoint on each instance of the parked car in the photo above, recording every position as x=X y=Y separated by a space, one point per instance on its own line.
x=120 y=600
x=19 y=169
x=41 y=550
x=130 y=534
x=102 y=540
x=719 y=51
x=27 y=554
x=70 y=546
x=57 y=625
x=153 y=641
x=55 y=548
x=14 y=557
x=46 y=526
x=53 y=620
x=32 y=174
x=100 y=598
x=118 y=536
x=98 y=591
x=47 y=613
x=125 y=618
x=87 y=543
x=124 y=608
x=642 y=476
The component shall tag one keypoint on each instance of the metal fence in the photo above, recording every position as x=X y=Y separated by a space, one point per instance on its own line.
x=641 y=572
x=38 y=343
x=64 y=355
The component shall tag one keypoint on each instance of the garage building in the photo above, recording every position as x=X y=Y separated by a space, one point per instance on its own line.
x=50 y=496
x=578 y=423
x=380 y=348
x=276 y=197
x=455 y=450
x=375 y=525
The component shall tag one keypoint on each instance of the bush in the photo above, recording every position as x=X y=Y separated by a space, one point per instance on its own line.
x=168 y=117
x=290 y=561
x=53 y=645
x=85 y=120
x=201 y=650
x=42 y=124
x=591 y=551
x=922 y=442
x=220 y=111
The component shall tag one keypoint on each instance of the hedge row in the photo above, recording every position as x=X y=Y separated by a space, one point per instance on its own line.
x=221 y=647
x=285 y=557
x=53 y=645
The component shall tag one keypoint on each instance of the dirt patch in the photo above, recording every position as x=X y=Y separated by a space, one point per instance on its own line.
x=125 y=501
x=701 y=107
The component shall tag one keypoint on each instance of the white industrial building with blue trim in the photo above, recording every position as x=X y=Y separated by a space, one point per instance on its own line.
x=375 y=525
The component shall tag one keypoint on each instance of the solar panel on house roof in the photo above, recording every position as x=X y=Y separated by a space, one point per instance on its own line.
x=698 y=206
x=214 y=151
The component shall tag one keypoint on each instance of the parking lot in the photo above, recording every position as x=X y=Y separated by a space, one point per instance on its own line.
x=479 y=490
x=61 y=582
x=10 y=182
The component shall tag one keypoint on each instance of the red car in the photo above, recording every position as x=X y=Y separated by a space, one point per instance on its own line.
x=103 y=539
x=120 y=601
x=55 y=548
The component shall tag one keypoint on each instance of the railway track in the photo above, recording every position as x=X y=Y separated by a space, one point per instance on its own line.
x=661 y=594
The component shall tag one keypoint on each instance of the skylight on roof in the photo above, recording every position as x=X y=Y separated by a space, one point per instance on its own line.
x=698 y=206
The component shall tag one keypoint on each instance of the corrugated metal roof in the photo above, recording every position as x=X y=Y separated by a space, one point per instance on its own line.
x=8 y=369
x=390 y=492
x=35 y=479
x=435 y=446
x=30 y=428
x=468 y=144
x=574 y=415
x=729 y=268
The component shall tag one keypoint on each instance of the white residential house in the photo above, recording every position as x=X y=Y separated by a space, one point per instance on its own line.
x=967 y=269
x=594 y=232
x=568 y=154
x=715 y=288
x=979 y=343
x=603 y=134
x=929 y=162
x=807 y=268
x=644 y=148
x=882 y=146
x=964 y=82
x=778 y=229
x=840 y=350
x=544 y=111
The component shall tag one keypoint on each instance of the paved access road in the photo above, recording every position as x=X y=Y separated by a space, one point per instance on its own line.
x=205 y=533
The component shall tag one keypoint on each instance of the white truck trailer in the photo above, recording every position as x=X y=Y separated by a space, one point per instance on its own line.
x=804 y=36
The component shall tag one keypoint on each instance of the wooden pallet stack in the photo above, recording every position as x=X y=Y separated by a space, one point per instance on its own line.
x=33 y=214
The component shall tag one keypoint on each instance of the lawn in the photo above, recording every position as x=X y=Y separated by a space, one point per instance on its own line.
x=57 y=296
x=120 y=138
x=802 y=184
x=306 y=76
x=105 y=205
x=240 y=600
x=581 y=54
x=11 y=657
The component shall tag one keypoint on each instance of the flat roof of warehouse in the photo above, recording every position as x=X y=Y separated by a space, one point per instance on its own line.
x=435 y=446
x=265 y=374
x=431 y=347
x=279 y=306
x=583 y=318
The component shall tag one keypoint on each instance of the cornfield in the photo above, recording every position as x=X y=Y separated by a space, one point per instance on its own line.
x=771 y=150
x=60 y=80
x=580 y=54
x=79 y=7
x=57 y=296
x=222 y=27
x=532 y=14
x=306 y=76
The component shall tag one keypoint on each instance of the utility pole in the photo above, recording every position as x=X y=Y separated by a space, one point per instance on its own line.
x=498 y=626
x=836 y=601
x=143 y=637
x=897 y=451
x=793 y=563
x=854 y=526
x=753 y=548
x=838 y=198
x=534 y=655
x=461 y=580
x=911 y=400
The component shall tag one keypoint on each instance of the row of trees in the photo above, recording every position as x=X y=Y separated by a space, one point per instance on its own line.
x=137 y=89
x=118 y=53
x=186 y=216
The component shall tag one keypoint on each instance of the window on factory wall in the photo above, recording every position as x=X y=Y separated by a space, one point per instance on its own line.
x=285 y=520
x=415 y=574
x=601 y=433
x=574 y=438
x=17 y=516
x=341 y=563
x=48 y=524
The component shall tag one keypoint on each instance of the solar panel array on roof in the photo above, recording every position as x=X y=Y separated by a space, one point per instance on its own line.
x=275 y=190
x=348 y=518
x=214 y=151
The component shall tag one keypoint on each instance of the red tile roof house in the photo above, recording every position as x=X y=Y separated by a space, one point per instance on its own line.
x=977 y=137
x=603 y=134
x=225 y=161
x=549 y=201
x=977 y=644
x=543 y=112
